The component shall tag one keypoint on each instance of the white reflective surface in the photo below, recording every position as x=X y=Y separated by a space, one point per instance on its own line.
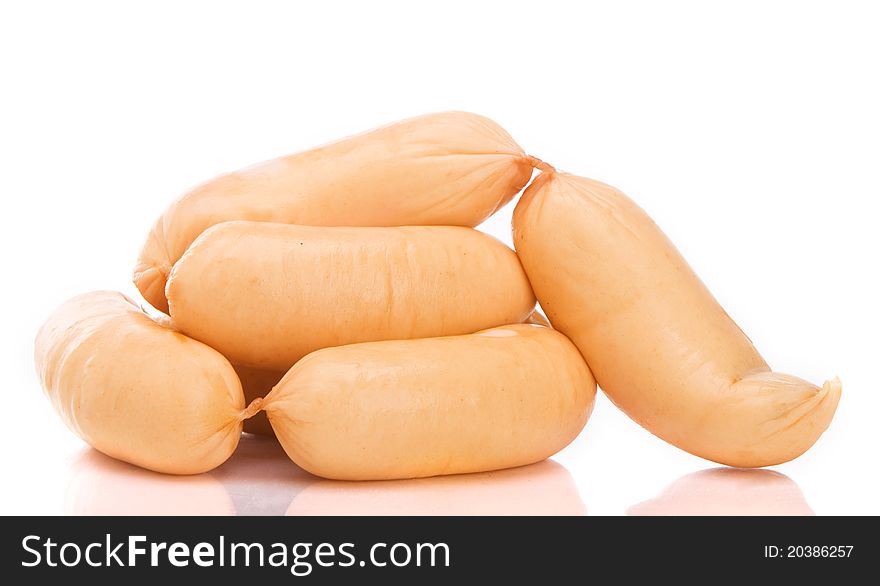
x=260 y=480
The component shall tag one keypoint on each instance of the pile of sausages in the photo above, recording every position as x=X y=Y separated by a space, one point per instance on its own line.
x=341 y=299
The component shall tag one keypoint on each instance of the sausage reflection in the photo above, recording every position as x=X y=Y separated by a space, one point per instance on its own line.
x=728 y=491
x=545 y=488
x=100 y=485
x=259 y=479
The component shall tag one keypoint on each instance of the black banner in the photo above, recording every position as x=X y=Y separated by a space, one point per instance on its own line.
x=438 y=549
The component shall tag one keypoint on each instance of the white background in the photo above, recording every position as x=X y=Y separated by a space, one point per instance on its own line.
x=749 y=130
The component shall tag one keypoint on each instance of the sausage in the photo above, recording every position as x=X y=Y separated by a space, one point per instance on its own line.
x=452 y=168
x=658 y=343
x=138 y=391
x=266 y=294
x=256 y=383
x=503 y=397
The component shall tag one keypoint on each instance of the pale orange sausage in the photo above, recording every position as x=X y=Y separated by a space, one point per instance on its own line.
x=136 y=390
x=256 y=383
x=504 y=397
x=265 y=294
x=451 y=168
x=659 y=344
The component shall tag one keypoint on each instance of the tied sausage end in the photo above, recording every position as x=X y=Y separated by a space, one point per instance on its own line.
x=833 y=387
x=252 y=409
x=153 y=267
x=768 y=418
x=541 y=165
x=150 y=281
